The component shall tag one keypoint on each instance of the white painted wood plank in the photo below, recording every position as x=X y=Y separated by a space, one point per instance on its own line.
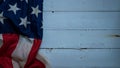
x=81 y=39
x=89 y=58
x=81 y=5
x=81 y=20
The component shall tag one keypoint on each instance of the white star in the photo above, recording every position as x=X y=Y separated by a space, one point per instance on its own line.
x=2 y=18
x=24 y=22
x=26 y=1
x=36 y=11
x=14 y=8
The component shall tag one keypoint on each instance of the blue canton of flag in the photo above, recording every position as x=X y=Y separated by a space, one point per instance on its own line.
x=21 y=16
x=21 y=34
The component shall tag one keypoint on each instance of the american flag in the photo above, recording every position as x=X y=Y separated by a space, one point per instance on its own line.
x=21 y=34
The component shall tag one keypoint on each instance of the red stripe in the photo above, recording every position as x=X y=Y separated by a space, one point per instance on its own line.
x=32 y=62
x=9 y=44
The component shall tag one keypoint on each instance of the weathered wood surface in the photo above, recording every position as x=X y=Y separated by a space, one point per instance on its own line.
x=81 y=39
x=81 y=20
x=81 y=33
x=81 y=5
x=86 y=58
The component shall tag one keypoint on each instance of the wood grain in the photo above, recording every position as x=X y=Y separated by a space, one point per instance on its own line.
x=81 y=39
x=81 y=20
x=88 y=58
x=81 y=5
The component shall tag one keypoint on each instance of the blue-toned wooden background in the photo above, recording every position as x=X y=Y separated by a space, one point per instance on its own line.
x=82 y=33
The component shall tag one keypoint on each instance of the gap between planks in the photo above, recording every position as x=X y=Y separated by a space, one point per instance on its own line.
x=87 y=29
x=77 y=11
x=78 y=48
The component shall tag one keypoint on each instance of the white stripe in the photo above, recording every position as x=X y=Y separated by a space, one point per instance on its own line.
x=1 y=40
x=15 y=64
x=22 y=50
